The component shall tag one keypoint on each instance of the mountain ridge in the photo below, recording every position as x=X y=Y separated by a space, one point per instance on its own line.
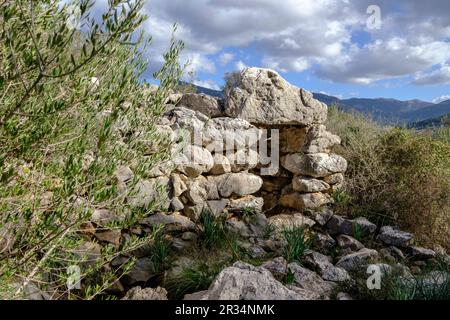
x=383 y=110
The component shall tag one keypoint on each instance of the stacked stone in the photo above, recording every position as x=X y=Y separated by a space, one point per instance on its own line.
x=309 y=172
x=204 y=173
x=216 y=167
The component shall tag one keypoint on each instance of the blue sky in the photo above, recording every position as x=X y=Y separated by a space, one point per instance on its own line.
x=329 y=46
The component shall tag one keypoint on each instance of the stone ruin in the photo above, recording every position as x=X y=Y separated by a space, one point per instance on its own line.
x=219 y=166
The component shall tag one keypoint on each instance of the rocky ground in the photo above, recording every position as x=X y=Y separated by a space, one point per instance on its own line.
x=231 y=232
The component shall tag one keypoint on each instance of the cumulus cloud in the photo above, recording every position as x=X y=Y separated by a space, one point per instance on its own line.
x=226 y=58
x=441 y=98
x=240 y=65
x=438 y=76
x=322 y=35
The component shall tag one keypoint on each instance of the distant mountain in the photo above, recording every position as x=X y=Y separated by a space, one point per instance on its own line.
x=390 y=111
x=209 y=92
x=429 y=123
x=386 y=111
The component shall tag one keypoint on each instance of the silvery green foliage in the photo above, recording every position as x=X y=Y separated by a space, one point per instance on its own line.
x=72 y=110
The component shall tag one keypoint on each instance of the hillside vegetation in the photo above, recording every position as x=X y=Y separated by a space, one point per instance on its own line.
x=395 y=175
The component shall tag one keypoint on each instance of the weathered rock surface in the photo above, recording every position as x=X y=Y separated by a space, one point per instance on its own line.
x=393 y=237
x=262 y=96
x=303 y=201
x=316 y=165
x=311 y=281
x=355 y=261
x=245 y=282
x=142 y=271
x=201 y=102
x=171 y=222
x=308 y=184
x=138 y=293
x=320 y=140
x=286 y=221
x=240 y=184
x=347 y=242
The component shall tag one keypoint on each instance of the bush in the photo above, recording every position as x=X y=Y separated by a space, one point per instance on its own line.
x=395 y=175
x=73 y=110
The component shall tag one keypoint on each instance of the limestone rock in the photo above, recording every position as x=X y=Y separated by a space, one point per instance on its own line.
x=336 y=178
x=178 y=184
x=300 y=202
x=242 y=281
x=393 y=237
x=142 y=271
x=239 y=184
x=339 y=225
x=277 y=266
x=194 y=161
x=311 y=281
x=323 y=242
x=364 y=226
x=347 y=242
x=308 y=184
x=137 y=293
x=354 y=261
x=150 y=191
x=110 y=236
x=171 y=222
x=243 y=159
x=418 y=253
x=316 y=165
x=203 y=103
x=224 y=134
x=255 y=204
x=292 y=139
x=320 y=140
x=217 y=207
x=221 y=164
x=286 y=221
x=262 y=96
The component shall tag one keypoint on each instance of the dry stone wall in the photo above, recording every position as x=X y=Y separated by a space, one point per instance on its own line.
x=263 y=148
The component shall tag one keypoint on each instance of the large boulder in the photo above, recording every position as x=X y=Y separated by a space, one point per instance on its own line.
x=242 y=281
x=262 y=96
x=316 y=165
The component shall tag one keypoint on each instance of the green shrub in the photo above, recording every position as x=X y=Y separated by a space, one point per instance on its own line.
x=394 y=176
x=213 y=233
x=296 y=243
x=192 y=279
x=73 y=110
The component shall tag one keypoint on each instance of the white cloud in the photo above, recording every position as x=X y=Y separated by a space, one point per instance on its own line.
x=294 y=35
x=438 y=76
x=226 y=58
x=240 y=65
x=441 y=98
